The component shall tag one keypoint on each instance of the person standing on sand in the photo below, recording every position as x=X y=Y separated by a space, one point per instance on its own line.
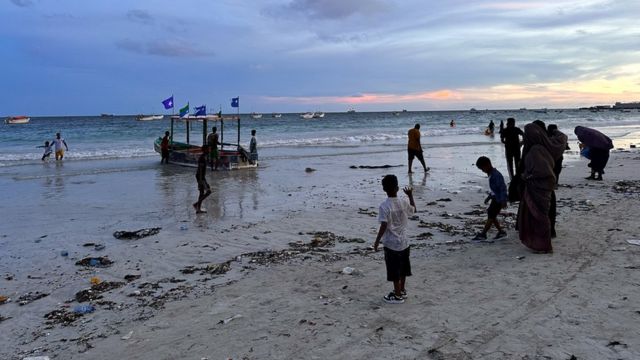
x=203 y=186
x=541 y=151
x=212 y=142
x=393 y=216
x=58 y=142
x=164 y=148
x=253 y=147
x=498 y=198
x=510 y=137
x=414 y=148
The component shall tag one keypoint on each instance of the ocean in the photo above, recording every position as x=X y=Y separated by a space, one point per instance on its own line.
x=122 y=137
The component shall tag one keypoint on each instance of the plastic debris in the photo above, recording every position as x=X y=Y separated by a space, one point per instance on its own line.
x=128 y=336
x=36 y=358
x=634 y=241
x=64 y=253
x=99 y=247
x=3 y=299
x=95 y=280
x=84 y=309
x=228 y=320
x=95 y=261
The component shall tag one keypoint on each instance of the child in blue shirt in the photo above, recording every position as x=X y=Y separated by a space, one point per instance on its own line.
x=498 y=198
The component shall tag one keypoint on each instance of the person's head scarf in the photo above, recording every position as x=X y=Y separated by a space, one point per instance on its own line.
x=555 y=143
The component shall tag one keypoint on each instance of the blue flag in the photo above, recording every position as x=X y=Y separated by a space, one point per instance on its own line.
x=184 y=111
x=168 y=103
x=201 y=110
x=235 y=102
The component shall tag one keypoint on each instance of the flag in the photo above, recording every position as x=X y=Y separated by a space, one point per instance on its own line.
x=184 y=111
x=235 y=102
x=201 y=110
x=168 y=103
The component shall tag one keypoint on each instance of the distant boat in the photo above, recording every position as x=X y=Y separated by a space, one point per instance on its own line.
x=318 y=115
x=255 y=115
x=274 y=115
x=149 y=117
x=351 y=111
x=106 y=115
x=473 y=111
x=17 y=120
x=540 y=111
x=307 y=115
x=404 y=110
x=523 y=109
x=396 y=113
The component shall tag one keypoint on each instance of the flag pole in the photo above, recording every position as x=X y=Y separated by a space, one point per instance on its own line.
x=238 y=121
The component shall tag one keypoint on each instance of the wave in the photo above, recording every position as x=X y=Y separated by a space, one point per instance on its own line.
x=31 y=157
x=357 y=139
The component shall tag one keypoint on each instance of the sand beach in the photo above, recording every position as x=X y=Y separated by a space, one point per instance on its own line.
x=281 y=266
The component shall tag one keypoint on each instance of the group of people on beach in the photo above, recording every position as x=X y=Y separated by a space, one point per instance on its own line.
x=534 y=161
x=56 y=144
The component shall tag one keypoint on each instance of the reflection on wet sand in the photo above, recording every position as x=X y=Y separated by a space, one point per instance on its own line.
x=230 y=190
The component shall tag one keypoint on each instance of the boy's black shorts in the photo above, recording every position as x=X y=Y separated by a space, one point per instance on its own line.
x=494 y=209
x=415 y=153
x=398 y=264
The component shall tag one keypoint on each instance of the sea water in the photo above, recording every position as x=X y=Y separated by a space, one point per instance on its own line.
x=122 y=137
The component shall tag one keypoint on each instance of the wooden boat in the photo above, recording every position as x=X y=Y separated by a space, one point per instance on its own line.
x=17 y=120
x=149 y=117
x=232 y=155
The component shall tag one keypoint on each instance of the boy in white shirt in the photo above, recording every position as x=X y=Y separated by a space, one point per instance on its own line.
x=393 y=216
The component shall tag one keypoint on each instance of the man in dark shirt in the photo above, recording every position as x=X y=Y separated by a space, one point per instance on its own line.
x=510 y=137
x=203 y=186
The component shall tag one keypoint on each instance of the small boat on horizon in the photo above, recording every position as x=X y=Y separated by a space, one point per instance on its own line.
x=17 y=119
x=149 y=117
x=276 y=115
x=255 y=115
x=351 y=111
x=318 y=115
x=106 y=115
x=307 y=115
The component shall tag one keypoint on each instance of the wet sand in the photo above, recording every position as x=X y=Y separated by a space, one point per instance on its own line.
x=260 y=275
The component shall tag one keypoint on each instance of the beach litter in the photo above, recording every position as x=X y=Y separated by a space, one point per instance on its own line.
x=61 y=316
x=30 y=297
x=36 y=358
x=228 y=320
x=95 y=280
x=135 y=235
x=128 y=336
x=348 y=270
x=94 y=292
x=84 y=309
x=3 y=299
x=95 y=261
x=309 y=170
x=634 y=241
x=64 y=253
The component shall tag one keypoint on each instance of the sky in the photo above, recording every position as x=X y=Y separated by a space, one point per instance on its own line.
x=75 y=57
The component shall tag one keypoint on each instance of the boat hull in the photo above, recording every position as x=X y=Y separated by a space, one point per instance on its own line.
x=17 y=120
x=150 y=118
x=187 y=155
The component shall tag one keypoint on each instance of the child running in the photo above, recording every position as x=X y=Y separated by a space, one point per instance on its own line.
x=47 y=150
x=498 y=197
x=393 y=217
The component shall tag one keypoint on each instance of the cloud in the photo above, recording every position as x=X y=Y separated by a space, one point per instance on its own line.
x=330 y=9
x=166 y=48
x=140 y=16
x=23 y=3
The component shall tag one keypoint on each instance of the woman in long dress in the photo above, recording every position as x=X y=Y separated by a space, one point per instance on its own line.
x=541 y=152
